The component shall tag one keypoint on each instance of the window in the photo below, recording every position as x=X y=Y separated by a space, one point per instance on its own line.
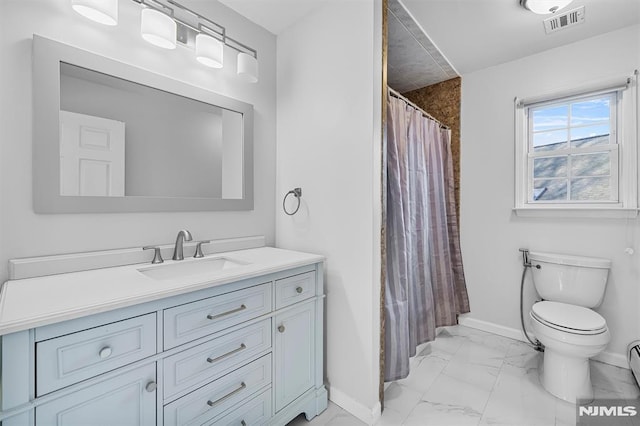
x=577 y=152
x=573 y=150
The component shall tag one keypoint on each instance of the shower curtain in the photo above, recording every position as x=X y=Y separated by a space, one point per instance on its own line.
x=424 y=286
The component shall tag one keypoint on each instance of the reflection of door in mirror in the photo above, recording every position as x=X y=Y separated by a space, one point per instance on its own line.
x=175 y=146
x=91 y=155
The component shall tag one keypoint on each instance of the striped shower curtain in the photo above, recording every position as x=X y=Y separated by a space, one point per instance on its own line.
x=424 y=286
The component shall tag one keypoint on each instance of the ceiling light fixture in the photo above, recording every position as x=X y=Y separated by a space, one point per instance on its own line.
x=544 y=7
x=100 y=11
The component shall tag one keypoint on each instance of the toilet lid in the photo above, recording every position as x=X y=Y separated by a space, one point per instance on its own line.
x=571 y=318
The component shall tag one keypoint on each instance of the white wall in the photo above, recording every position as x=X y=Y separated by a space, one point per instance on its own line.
x=329 y=85
x=491 y=234
x=24 y=233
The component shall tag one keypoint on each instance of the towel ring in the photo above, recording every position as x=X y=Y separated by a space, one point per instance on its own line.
x=297 y=192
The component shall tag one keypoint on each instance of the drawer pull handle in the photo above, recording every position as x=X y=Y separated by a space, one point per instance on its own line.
x=281 y=328
x=151 y=386
x=298 y=290
x=105 y=352
x=216 y=359
x=224 y=314
x=229 y=395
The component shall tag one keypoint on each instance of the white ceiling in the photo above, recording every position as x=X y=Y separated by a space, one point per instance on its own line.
x=274 y=15
x=476 y=34
x=445 y=36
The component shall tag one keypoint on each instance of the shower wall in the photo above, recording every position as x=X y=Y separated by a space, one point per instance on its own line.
x=442 y=101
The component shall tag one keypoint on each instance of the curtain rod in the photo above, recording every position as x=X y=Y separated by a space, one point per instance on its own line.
x=397 y=94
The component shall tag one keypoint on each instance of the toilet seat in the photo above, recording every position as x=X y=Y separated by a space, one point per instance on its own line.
x=569 y=318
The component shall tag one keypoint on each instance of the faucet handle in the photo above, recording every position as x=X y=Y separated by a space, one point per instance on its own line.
x=157 y=255
x=199 y=248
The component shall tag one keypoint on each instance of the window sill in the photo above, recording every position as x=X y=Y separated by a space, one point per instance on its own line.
x=576 y=212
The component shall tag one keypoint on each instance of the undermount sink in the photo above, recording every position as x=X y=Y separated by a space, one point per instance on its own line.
x=204 y=266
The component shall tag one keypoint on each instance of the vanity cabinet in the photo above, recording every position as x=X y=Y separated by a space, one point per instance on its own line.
x=127 y=399
x=71 y=358
x=247 y=352
x=294 y=352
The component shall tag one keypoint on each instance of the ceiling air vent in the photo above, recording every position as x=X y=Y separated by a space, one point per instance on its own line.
x=564 y=20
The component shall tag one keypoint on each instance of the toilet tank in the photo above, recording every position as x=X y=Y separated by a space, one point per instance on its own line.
x=577 y=280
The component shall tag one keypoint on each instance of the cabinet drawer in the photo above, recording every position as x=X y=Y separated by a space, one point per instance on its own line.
x=252 y=413
x=204 y=362
x=128 y=399
x=69 y=359
x=206 y=403
x=295 y=289
x=197 y=319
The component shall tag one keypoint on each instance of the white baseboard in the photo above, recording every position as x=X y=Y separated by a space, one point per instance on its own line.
x=611 y=358
x=500 y=330
x=355 y=408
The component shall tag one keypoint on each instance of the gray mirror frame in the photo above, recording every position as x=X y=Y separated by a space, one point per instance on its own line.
x=47 y=55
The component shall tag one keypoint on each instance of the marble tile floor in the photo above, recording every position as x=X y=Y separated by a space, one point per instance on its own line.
x=470 y=377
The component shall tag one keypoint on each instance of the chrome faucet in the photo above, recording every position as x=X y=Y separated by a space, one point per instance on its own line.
x=183 y=236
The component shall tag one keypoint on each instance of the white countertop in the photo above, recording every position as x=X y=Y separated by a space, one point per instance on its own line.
x=33 y=302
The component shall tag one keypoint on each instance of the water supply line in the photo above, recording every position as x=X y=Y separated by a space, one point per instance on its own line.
x=526 y=263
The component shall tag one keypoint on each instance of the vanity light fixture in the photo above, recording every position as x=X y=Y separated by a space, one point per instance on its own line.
x=207 y=38
x=247 y=67
x=209 y=51
x=101 y=11
x=544 y=7
x=167 y=23
x=158 y=28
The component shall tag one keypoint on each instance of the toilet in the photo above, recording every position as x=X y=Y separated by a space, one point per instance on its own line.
x=564 y=322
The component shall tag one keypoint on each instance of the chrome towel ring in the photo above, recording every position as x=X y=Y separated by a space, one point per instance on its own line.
x=297 y=192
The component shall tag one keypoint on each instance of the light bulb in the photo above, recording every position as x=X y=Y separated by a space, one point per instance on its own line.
x=209 y=51
x=545 y=7
x=158 y=28
x=101 y=11
x=248 y=67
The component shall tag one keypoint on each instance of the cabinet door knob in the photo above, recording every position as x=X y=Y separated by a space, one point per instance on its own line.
x=281 y=328
x=298 y=290
x=105 y=352
x=151 y=386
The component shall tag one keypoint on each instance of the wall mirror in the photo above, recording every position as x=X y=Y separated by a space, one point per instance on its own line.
x=110 y=137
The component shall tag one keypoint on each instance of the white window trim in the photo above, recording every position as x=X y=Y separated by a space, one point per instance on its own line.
x=628 y=134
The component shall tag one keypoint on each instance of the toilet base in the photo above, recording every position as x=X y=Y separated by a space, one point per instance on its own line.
x=566 y=377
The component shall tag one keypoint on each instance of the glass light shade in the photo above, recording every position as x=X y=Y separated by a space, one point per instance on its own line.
x=545 y=7
x=101 y=11
x=209 y=51
x=248 y=67
x=158 y=29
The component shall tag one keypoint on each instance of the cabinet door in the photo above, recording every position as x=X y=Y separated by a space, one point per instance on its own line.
x=294 y=353
x=128 y=399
